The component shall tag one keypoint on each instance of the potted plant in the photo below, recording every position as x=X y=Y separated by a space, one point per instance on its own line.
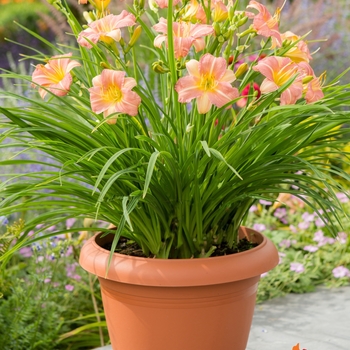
x=169 y=122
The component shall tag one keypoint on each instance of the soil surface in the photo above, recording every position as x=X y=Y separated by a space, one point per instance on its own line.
x=131 y=248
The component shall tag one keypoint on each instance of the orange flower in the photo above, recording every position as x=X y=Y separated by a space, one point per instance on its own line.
x=55 y=76
x=209 y=82
x=111 y=93
x=296 y=347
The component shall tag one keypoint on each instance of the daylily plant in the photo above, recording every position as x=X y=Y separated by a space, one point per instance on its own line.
x=170 y=119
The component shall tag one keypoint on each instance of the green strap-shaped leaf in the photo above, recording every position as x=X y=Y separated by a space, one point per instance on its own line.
x=150 y=168
x=125 y=212
x=219 y=156
x=206 y=148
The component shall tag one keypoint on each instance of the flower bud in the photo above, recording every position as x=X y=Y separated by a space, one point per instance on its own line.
x=231 y=13
x=158 y=67
x=189 y=127
x=246 y=32
x=135 y=35
x=242 y=21
x=139 y=4
x=217 y=28
x=241 y=69
x=88 y=17
x=307 y=79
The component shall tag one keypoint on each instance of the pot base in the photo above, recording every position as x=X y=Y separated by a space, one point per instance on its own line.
x=174 y=318
x=180 y=304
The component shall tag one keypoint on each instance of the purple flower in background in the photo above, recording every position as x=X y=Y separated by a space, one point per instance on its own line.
x=70 y=222
x=340 y=272
x=263 y=274
x=26 y=252
x=259 y=227
x=281 y=214
x=69 y=287
x=308 y=217
x=70 y=269
x=264 y=202
x=253 y=208
x=322 y=240
x=318 y=236
x=311 y=248
x=304 y=225
x=69 y=251
x=281 y=256
x=3 y=220
x=297 y=267
x=342 y=237
x=319 y=222
x=285 y=243
x=343 y=198
x=293 y=228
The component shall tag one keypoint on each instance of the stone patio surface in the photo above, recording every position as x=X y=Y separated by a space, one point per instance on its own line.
x=318 y=321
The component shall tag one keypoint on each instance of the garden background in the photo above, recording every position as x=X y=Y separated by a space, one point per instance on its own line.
x=50 y=303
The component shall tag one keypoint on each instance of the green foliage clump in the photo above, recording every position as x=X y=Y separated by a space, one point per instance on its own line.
x=308 y=254
x=47 y=301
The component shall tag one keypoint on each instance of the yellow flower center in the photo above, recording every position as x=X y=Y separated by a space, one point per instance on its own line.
x=106 y=39
x=207 y=82
x=113 y=94
x=57 y=76
x=282 y=76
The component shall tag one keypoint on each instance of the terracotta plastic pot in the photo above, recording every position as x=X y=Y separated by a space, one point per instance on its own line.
x=179 y=304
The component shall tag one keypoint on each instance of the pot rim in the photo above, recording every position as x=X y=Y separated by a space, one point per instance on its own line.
x=170 y=272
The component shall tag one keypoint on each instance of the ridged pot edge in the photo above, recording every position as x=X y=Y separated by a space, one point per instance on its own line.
x=180 y=272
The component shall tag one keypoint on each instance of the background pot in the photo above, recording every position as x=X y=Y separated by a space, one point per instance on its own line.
x=179 y=304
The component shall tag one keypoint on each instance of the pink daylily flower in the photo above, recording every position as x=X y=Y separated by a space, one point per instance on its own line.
x=313 y=88
x=111 y=93
x=106 y=29
x=277 y=71
x=299 y=52
x=194 y=12
x=55 y=76
x=220 y=11
x=165 y=3
x=209 y=82
x=265 y=24
x=185 y=35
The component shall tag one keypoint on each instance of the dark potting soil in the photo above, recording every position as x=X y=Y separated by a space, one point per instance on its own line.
x=131 y=248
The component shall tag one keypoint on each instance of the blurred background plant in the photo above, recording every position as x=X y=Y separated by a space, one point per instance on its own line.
x=309 y=256
x=39 y=288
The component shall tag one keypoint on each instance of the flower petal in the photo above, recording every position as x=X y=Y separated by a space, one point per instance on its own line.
x=203 y=103
x=187 y=88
